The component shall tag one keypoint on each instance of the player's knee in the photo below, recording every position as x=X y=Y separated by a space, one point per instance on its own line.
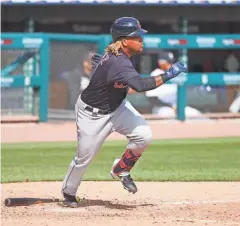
x=147 y=136
x=144 y=136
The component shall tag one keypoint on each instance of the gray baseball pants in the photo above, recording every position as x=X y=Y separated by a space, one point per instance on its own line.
x=92 y=130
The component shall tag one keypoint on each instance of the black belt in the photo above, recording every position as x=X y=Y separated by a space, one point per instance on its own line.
x=88 y=108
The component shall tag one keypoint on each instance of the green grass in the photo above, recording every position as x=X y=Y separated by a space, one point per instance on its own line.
x=168 y=160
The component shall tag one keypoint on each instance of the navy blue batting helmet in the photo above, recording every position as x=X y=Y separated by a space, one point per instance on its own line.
x=126 y=27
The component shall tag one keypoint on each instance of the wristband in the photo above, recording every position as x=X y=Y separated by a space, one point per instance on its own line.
x=164 y=77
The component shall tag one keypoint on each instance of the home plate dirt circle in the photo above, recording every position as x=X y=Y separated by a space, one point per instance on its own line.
x=108 y=204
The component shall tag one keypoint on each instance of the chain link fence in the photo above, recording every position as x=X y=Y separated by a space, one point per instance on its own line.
x=65 y=75
x=14 y=101
x=67 y=70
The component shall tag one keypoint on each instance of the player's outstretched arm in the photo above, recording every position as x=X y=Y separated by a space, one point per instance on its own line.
x=144 y=84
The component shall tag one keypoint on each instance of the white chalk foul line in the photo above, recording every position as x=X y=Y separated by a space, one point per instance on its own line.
x=207 y=221
x=77 y=210
x=66 y=210
x=203 y=202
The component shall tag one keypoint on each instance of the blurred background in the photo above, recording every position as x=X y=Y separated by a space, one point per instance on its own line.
x=77 y=29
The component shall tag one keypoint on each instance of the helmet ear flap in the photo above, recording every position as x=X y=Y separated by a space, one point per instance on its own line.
x=118 y=39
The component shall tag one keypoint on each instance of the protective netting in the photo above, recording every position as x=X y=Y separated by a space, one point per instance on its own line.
x=15 y=101
x=12 y=101
x=213 y=101
x=202 y=102
x=66 y=73
x=69 y=61
x=8 y=56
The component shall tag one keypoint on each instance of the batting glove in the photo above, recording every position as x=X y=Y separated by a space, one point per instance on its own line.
x=176 y=69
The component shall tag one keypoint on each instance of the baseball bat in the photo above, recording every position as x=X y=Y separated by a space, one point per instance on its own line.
x=29 y=201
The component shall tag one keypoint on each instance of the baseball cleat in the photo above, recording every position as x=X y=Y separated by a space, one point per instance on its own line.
x=70 y=200
x=124 y=178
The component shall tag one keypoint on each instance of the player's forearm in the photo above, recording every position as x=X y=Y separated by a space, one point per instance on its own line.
x=144 y=84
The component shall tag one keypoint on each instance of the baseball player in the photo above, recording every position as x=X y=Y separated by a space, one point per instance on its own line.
x=102 y=108
x=164 y=98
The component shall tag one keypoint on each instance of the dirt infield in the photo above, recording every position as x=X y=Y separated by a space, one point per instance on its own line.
x=108 y=204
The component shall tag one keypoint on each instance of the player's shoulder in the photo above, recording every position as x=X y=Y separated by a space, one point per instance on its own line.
x=121 y=60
